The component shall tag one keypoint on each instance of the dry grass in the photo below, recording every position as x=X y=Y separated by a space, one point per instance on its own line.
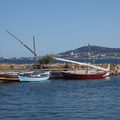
x=4 y=67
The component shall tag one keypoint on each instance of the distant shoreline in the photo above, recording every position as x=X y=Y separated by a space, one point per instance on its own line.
x=90 y=60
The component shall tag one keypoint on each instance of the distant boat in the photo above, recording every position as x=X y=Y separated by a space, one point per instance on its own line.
x=34 y=77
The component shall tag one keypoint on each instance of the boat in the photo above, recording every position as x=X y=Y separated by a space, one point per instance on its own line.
x=25 y=76
x=34 y=77
x=97 y=73
x=9 y=76
x=83 y=75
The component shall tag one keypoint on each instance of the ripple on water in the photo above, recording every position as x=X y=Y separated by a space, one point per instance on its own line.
x=61 y=99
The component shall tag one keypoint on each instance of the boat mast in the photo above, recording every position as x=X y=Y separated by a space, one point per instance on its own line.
x=32 y=51
x=87 y=58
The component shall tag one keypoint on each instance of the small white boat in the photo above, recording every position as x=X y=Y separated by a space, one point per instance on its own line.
x=34 y=77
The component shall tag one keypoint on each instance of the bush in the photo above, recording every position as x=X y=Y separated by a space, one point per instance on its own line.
x=12 y=66
x=46 y=59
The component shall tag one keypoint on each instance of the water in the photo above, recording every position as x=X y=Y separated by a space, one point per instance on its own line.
x=96 y=61
x=61 y=100
x=16 y=61
x=100 y=61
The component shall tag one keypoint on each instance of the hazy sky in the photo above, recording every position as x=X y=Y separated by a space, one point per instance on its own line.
x=58 y=25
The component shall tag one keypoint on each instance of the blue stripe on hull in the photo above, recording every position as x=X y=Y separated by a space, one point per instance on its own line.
x=41 y=77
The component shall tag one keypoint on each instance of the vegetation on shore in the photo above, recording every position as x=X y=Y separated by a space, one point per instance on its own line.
x=46 y=62
x=46 y=59
x=12 y=67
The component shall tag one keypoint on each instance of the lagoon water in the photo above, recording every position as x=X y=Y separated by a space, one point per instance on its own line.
x=96 y=61
x=61 y=100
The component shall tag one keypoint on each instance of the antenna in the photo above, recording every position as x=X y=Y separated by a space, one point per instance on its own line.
x=33 y=52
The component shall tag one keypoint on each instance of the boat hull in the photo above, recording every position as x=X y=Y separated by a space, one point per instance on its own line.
x=34 y=78
x=9 y=77
x=30 y=79
x=68 y=75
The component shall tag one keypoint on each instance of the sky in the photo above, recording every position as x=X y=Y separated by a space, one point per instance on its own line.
x=58 y=25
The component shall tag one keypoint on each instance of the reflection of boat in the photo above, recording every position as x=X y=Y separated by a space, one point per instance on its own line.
x=35 y=76
x=85 y=74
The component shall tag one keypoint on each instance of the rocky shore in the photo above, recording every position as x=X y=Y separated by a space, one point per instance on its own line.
x=57 y=68
x=114 y=68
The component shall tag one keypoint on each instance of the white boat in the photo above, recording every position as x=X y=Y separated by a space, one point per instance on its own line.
x=34 y=77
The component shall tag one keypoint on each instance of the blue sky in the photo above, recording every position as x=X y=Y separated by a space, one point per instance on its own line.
x=58 y=25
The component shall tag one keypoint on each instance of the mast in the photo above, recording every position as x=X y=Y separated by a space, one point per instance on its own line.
x=34 y=49
x=87 y=58
x=33 y=52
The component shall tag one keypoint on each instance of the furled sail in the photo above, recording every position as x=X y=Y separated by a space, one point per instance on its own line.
x=85 y=64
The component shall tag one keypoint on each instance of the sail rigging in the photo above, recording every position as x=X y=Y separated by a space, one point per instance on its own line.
x=32 y=51
x=85 y=64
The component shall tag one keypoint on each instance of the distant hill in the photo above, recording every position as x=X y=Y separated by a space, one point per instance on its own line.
x=92 y=52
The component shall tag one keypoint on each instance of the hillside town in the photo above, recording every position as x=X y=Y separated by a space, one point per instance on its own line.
x=92 y=52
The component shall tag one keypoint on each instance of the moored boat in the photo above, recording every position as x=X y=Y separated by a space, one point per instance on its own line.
x=80 y=75
x=9 y=79
x=25 y=76
x=9 y=76
x=34 y=77
x=86 y=74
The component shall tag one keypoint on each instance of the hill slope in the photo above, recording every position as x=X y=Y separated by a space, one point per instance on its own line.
x=92 y=52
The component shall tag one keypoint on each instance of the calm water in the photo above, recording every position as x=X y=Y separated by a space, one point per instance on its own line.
x=61 y=100
x=96 y=61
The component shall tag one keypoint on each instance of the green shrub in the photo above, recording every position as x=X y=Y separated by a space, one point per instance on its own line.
x=46 y=59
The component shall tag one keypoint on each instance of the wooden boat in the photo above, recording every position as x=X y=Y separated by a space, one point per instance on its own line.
x=25 y=76
x=9 y=76
x=9 y=79
x=83 y=75
x=34 y=77
x=86 y=74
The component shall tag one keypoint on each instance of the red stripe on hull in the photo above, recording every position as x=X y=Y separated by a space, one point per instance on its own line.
x=84 y=76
